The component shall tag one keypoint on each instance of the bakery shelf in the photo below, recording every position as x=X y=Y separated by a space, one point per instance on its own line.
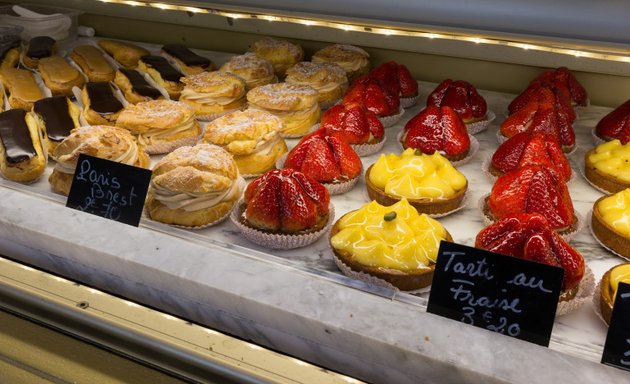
x=215 y=277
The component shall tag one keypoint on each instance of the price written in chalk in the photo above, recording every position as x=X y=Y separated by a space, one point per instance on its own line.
x=617 y=347
x=109 y=189
x=502 y=294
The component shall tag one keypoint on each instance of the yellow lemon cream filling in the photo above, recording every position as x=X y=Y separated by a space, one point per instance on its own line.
x=415 y=175
x=395 y=237
x=615 y=211
x=619 y=274
x=612 y=158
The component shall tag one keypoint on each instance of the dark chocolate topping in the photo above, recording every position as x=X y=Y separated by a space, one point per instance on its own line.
x=15 y=136
x=187 y=56
x=162 y=65
x=102 y=99
x=7 y=43
x=139 y=84
x=56 y=115
x=40 y=46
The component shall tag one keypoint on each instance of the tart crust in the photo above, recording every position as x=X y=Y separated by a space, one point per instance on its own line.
x=422 y=205
x=602 y=180
x=607 y=234
x=606 y=295
x=403 y=280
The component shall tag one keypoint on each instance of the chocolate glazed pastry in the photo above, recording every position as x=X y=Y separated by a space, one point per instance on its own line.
x=139 y=84
x=60 y=116
x=163 y=67
x=189 y=61
x=15 y=136
x=38 y=48
x=9 y=51
x=102 y=99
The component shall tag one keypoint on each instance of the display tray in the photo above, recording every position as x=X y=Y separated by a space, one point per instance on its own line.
x=580 y=333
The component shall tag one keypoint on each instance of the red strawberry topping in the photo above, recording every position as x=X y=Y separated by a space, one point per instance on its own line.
x=356 y=124
x=285 y=201
x=563 y=78
x=462 y=97
x=368 y=92
x=532 y=189
x=528 y=236
x=408 y=85
x=327 y=158
x=535 y=149
x=437 y=129
x=616 y=124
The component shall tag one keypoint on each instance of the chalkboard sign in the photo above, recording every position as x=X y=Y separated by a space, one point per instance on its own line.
x=500 y=293
x=109 y=189
x=617 y=347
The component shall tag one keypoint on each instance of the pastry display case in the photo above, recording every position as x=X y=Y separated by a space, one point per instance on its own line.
x=297 y=301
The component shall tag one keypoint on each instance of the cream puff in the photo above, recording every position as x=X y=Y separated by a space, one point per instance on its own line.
x=295 y=105
x=212 y=94
x=255 y=70
x=281 y=53
x=251 y=136
x=105 y=142
x=328 y=79
x=161 y=125
x=354 y=60
x=194 y=186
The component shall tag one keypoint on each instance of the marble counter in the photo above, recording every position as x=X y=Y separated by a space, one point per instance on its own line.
x=297 y=301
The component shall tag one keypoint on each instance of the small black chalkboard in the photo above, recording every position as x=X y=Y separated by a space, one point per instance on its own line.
x=109 y=189
x=500 y=293
x=617 y=347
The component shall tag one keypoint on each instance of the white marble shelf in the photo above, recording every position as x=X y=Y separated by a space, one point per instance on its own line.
x=284 y=299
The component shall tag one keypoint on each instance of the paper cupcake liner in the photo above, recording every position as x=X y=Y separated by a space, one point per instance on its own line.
x=596 y=139
x=312 y=129
x=389 y=121
x=485 y=167
x=597 y=300
x=408 y=102
x=170 y=146
x=368 y=149
x=584 y=293
x=501 y=139
x=365 y=277
x=279 y=241
x=482 y=125
x=582 y=166
x=213 y=116
x=474 y=147
x=590 y=228
x=481 y=204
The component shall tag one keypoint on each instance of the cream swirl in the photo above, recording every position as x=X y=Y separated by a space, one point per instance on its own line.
x=196 y=201
x=157 y=134
x=68 y=163
x=209 y=98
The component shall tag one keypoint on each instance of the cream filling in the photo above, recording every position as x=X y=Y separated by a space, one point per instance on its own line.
x=68 y=164
x=156 y=134
x=209 y=98
x=325 y=88
x=196 y=201
x=287 y=114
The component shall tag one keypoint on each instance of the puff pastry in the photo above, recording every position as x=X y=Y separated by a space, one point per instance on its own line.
x=212 y=93
x=59 y=76
x=58 y=116
x=93 y=63
x=296 y=105
x=189 y=62
x=354 y=60
x=328 y=79
x=100 y=105
x=255 y=70
x=251 y=136
x=105 y=142
x=194 y=186
x=125 y=53
x=21 y=87
x=22 y=154
x=161 y=125
x=281 y=53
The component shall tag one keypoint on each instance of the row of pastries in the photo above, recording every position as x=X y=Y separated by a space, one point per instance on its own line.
x=199 y=185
